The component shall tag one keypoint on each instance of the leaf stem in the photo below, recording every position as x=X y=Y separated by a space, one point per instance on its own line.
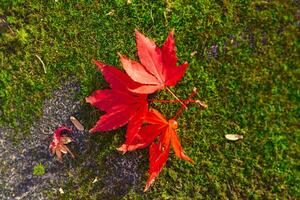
x=185 y=105
x=185 y=101
x=170 y=91
x=170 y=101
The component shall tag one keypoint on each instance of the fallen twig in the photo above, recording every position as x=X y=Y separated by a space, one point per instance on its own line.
x=44 y=67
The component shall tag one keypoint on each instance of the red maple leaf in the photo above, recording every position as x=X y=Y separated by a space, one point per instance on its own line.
x=157 y=69
x=121 y=105
x=58 y=144
x=157 y=126
x=159 y=151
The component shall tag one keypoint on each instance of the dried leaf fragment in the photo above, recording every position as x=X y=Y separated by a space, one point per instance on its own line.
x=233 y=137
x=61 y=191
x=76 y=123
x=201 y=103
x=193 y=53
x=58 y=144
x=95 y=180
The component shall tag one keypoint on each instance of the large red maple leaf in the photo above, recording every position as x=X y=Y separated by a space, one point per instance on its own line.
x=157 y=69
x=121 y=105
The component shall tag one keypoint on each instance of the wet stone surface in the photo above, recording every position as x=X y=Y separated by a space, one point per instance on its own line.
x=122 y=174
x=17 y=180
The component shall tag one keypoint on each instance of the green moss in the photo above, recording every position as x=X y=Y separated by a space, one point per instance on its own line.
x=39 y=170
x=250 y=84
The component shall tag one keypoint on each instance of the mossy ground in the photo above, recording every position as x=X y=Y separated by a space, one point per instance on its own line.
x=246 y=68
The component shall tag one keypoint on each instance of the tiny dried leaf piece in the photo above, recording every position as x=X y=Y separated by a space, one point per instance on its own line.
x=76 y=123
x=61 y=191
x=233 y=137
x=58 y=144
x=158 y=68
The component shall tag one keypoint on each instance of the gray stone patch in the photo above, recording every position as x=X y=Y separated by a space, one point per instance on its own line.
x=122 y=174
x=17 y=180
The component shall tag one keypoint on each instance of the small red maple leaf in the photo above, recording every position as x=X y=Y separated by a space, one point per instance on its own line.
x=121 y=105
x=159 y=151
x=58 y=144
x=158 y=67
x=165 y=130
